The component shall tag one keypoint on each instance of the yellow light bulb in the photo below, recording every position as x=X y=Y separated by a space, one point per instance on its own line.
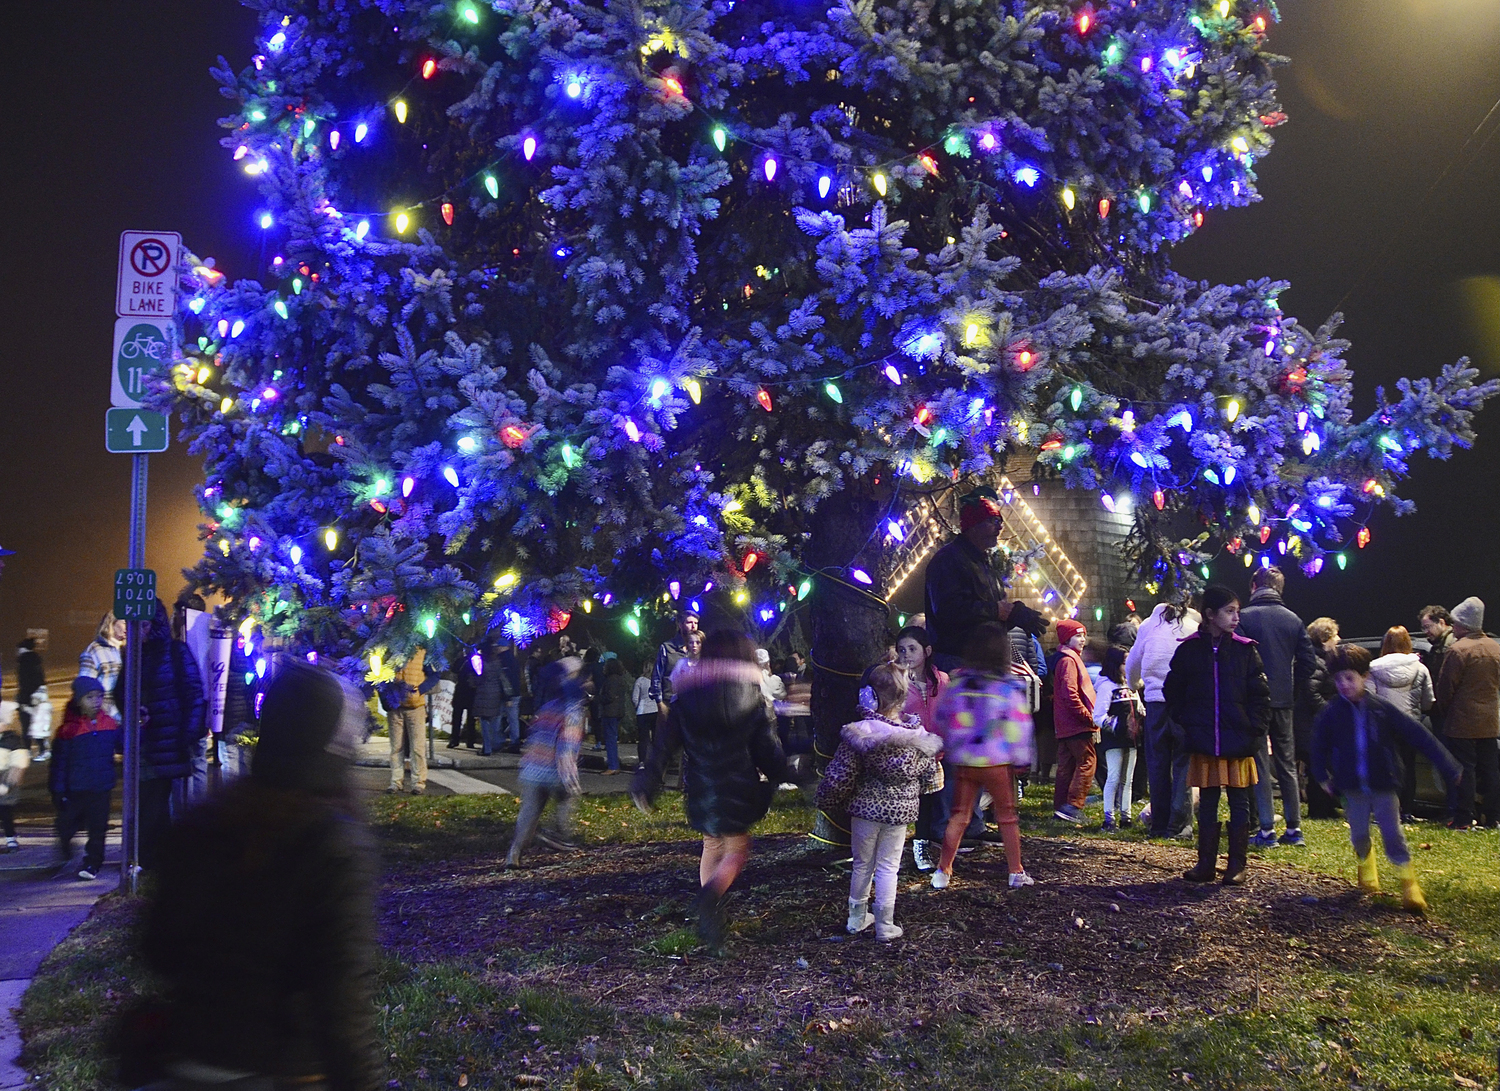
x=401 y=222
x=401 y=111
x=971 y=333
x=374 y=662
x=1223 y=9
x=879 y=181
x=1240 y=144
x=507 y=579
x=1232 y=411
x=226 y=405
x=331 y=538
x=204 y=374
x=588 y=606
x=695 y=391
x=1068 y=198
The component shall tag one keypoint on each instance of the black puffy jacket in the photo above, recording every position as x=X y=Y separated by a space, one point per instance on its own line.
x=720 y=722
x=1218 y=695
x=176 y=712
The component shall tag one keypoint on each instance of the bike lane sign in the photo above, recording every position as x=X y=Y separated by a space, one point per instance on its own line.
x=146 y=286
x=143 y=348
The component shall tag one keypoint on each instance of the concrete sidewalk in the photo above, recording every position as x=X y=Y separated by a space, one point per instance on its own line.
x=39 y=905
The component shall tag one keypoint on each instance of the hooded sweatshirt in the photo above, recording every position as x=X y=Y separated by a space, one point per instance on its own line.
x=1155 y=643
x=881 y=770
x=1403 y=680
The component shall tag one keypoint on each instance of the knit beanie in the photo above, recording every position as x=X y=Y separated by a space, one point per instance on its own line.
x=1469 y=614
x=1068 y=628
x=300 y=721
x=977 y=508
x=85 y=684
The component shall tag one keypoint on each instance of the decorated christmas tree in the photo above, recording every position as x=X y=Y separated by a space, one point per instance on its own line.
x=594 y=307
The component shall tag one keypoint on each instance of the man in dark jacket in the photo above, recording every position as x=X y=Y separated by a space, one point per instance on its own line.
x=173 y=720
x=1288 y=656
x=290 y=994
x=667 y=657
x=963 y=591
x=1437 y=626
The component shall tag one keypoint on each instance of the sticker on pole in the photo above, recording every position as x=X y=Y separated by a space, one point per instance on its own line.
x=146 y=286
x=143 y=348
x=135 y=594
x=134 y=431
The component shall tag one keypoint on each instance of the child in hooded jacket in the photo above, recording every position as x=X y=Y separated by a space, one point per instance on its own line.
x=988 y=733
x=884 y=764
x=1357 y=752
x=82 y=773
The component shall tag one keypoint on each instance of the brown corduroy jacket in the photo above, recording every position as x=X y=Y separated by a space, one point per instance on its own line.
x=1468 y=689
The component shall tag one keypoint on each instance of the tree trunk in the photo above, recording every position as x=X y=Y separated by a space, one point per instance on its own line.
x=848 y=626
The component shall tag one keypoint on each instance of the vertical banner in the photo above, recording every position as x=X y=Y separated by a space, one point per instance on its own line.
x=216 y=677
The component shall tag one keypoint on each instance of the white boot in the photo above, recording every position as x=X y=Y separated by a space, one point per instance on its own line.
x=860 y=917
x=886 y=928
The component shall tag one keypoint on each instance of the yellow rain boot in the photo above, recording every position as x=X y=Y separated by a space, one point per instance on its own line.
x=1411 y=890
x=1369 y=875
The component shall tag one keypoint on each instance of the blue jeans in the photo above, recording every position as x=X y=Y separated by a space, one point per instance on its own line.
x=513 y=715
x=1166 y=773
x=489 y=732
x=609 y=726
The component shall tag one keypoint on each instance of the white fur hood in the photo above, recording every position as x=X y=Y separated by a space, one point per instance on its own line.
x=867 y=735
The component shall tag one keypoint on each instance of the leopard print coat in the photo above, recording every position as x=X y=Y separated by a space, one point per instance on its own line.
x=881 y=770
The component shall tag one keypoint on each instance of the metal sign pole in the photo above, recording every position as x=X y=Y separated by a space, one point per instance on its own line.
x=131 y=833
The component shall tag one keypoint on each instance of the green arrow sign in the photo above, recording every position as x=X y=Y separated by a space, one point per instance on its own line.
x=134 y=431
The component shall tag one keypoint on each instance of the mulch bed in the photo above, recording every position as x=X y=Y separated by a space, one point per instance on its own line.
x=1109 y=934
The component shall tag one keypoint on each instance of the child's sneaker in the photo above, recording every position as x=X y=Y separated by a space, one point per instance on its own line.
x=88 y=874
x=1069 y=814
x=12 y=845
x=1264 y=839
x=921 y=854
x=1109 y=824
x=940 y=879
x=1293 y=837
x=1020 y=879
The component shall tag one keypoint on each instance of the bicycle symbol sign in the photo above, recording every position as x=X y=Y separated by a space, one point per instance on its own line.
x=150 y=257
x=143 y=348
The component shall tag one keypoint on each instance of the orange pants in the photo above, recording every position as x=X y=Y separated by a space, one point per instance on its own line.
x=999 y=781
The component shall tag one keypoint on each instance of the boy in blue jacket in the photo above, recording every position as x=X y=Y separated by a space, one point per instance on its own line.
x=82 y=774
x=1356 y=753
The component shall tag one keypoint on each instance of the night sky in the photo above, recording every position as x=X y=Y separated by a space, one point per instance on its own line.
x=113 y=126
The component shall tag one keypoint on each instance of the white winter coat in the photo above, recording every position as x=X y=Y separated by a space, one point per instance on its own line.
x=1155 y=643
x=1404 y=681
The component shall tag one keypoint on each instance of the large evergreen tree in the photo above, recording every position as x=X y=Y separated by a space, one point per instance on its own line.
x=574 y=305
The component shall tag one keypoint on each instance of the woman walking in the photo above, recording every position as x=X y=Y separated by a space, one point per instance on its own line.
x=1218 y=695
x=728 y=737
x=988 y=733
x=614 y=706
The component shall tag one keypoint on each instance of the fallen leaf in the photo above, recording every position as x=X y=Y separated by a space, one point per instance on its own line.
x=463 y=1079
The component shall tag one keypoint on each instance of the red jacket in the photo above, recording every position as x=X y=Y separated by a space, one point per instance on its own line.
x=1072 y=696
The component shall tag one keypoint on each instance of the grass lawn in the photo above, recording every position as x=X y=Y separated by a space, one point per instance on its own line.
x=582 y=972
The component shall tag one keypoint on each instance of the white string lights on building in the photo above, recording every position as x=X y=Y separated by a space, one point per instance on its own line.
x=1056 y=585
